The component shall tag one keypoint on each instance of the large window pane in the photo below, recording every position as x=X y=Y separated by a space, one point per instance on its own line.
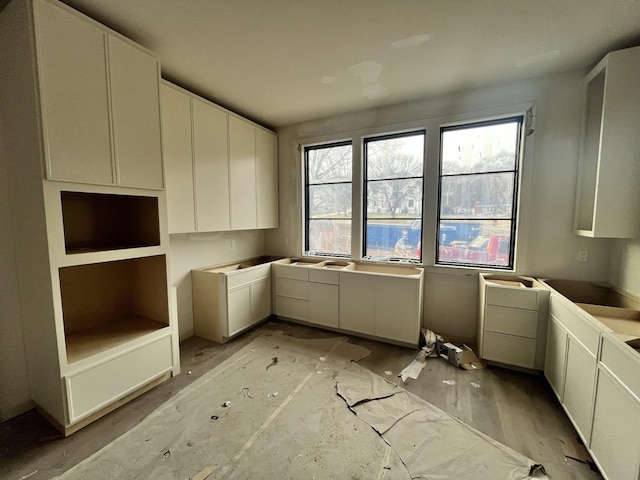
x=328 y=199
x=394 y=166
x=329 y=164
x=393 y=239
x=329 y=237
x=479 y=166
x=394 y=198
x=395 y=157
x=486 y=195
x=483 y=242
x=488 y=148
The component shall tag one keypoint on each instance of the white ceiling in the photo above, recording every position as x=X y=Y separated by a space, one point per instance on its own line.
x=280 y=62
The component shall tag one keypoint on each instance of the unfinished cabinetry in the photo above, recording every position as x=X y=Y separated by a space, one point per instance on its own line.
x=196 y=158
x=99 y=102
x=512 y=327
x=615 y=435
x=221 y=169
x=253 y=171
x=608 y=199
x=91 y=260
x=229 y=299
x=382 y=301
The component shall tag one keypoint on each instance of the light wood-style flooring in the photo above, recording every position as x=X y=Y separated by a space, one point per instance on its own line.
x=514 y=408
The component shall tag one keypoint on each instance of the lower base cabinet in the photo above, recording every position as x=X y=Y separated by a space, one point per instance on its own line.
x=554 y=364
x=579 y=387
x=323 y=304
x=229 y=299
x=378 y=301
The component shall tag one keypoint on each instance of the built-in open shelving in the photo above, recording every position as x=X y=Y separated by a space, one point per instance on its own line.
x=99 y=222
x=107 y=304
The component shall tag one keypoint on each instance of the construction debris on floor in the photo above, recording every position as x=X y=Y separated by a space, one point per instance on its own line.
x=271 y=411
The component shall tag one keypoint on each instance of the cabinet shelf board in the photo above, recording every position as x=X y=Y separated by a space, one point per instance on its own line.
x=98 y=339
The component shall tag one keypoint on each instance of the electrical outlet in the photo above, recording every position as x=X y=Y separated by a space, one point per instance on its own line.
x=583 y=255
x=233 y=243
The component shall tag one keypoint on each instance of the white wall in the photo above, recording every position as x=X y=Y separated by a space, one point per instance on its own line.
x=551 y=247
x=625 y=266
x=14 y=385
x=191 y=251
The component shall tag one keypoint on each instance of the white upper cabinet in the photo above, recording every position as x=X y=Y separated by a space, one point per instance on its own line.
x=99 y=102
x=242 y=174
x=74 y=96
x=222 y=170
x=211 y=167
x=135 y=106
x=178 y=159
x=608 y=197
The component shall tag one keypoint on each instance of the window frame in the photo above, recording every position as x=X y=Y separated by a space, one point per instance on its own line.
x=365 y=182
x=521 y=119
x=431 y=125
x=306 y=218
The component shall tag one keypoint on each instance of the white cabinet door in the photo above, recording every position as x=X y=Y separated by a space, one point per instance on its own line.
x=242 y=174
x=358 y=302
x=261 y=299
x=211 y=167
x=74 y=96
x=396 y=309
x=579 y=387
x=615 y=439
x=555 y=360
x=323 y=304
x=239 y=305
x=267 y=179
x=135 y=108
x=178 y=159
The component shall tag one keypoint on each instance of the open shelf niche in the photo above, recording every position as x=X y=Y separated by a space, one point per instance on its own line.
x=99 y=222
x=108 y=304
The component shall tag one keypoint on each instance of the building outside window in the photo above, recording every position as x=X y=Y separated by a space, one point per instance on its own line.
x=478 y=192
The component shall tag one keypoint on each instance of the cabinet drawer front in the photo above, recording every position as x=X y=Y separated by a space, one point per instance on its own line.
x=513 y=321
x=625 y=365
x=323 y=275
x=292 y=308
x=510 y=350
x=512 y=297
x=93 y=389
x=243 y=277
x=286 y=287
x=294 y=273
x=570 y=316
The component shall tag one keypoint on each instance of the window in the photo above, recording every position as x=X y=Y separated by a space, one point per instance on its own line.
x=328 y=199
x=393 y=187
x=478 y=191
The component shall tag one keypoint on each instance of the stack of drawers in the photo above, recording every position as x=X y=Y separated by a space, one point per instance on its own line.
x=513 y=320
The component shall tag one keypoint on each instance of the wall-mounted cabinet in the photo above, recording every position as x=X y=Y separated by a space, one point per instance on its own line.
x=99 y=102
x=607 y=194
x=92 y=260
x=221 y=169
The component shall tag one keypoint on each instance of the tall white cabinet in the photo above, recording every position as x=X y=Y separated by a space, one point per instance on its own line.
x=222 y=170
x=608 y=198
x=105 y=91
x=81 y=137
